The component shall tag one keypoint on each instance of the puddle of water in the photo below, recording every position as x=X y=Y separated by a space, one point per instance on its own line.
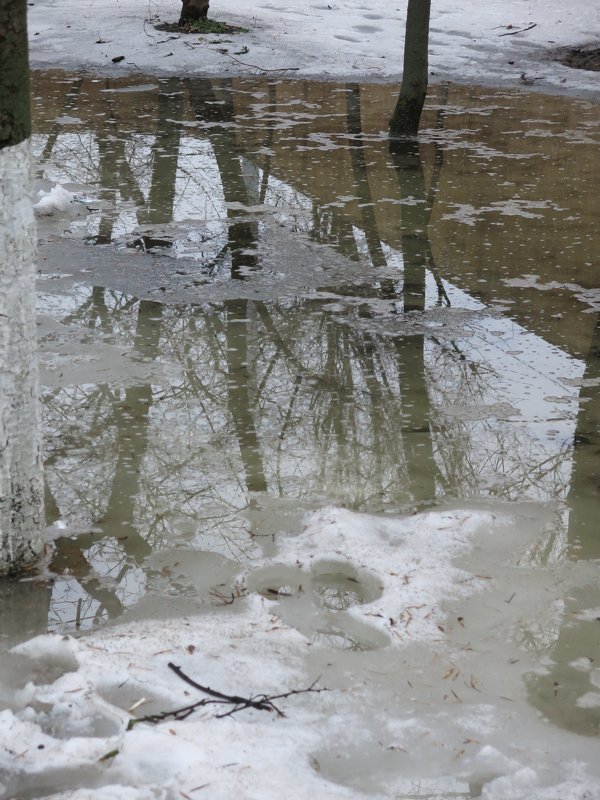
x=349 y=636
x=338 y=591
x=254 y=307
x=309 y=601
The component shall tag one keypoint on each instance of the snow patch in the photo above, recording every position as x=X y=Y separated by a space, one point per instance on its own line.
x=57 y=199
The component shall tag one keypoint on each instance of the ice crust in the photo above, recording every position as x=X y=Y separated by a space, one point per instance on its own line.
x=376 y=731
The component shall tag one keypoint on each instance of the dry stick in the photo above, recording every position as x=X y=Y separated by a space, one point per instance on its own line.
x=178 y=713
x=269 y=700
x=262 y=69
x=262 y=705
x=521 y=30
x=262 y=702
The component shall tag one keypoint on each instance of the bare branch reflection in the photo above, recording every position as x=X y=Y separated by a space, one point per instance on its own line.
x=368 y=385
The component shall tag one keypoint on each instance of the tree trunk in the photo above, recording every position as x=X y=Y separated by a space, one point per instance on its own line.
x=21 y=489
x=15 y=116
x=584 y=493
x=407 y=114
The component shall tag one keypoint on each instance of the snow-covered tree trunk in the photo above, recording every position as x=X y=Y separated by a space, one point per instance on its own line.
x=21 y=487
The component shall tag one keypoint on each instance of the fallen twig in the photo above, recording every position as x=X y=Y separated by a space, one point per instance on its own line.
x=520 y=30
x=149 y=35
x=221 y=599
x=261 y=702
x=249 y=702
x=262 y=69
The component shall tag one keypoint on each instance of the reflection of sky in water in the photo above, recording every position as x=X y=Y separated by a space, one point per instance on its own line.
x=191 y=463
x=531 y=369
x=326 y=399
x=73 y=604
x=198 y=191
x=198 y=183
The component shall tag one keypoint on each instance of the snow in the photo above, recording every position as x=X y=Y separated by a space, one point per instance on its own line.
x=336 y=39
x=377 y=730
x=404 y=560
x=56 y=199
x=415 y=710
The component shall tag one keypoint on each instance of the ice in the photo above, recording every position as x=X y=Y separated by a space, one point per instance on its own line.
x=418 y=706
x=426 y=695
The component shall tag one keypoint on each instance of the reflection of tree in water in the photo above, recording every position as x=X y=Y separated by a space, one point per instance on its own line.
x=115 y=539
x=568 y=693
x=301 y=398
x=488 y=455
x=338 y=420
x=165 y=156
x=309 y=417
x=239 y=188
x=337 y=592
x=360 y=174
x=584 y=494
x=241 y=390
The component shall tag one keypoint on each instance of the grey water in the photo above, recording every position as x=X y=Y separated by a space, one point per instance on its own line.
x=255 y=307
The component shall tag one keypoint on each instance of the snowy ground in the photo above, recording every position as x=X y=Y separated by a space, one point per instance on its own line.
x=421 y=710
x=470 y=41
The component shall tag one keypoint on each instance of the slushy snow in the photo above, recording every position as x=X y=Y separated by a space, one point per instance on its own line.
x=413 y=705
x=412 y=709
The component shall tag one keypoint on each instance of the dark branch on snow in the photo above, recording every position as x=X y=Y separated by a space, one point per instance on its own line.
x=260 y=702
x=519 y=30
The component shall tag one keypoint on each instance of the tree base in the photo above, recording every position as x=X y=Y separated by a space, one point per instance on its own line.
x=406 y=117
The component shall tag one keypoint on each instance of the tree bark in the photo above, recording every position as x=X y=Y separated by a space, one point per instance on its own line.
x=15 y=116
x=21 y=488
x=407 y=114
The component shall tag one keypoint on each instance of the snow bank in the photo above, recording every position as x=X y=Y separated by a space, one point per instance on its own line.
x=400 y=710
x=46 y=741
x=407 y=563
x=494 y=43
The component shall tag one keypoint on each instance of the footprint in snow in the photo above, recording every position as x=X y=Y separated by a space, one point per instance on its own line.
x=316 y=602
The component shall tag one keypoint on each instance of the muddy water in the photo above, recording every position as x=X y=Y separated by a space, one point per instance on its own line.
x=254 y=307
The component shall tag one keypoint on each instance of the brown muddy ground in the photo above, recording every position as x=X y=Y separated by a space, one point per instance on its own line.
x=583 y=57
x=209 y=27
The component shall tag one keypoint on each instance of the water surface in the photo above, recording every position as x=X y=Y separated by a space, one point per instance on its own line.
x=255 y=308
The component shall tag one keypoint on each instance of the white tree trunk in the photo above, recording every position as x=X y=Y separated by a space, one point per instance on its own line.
x=21 y=487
